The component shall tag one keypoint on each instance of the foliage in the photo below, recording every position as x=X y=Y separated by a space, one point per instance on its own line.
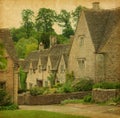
x=17 y=33
x=25 y=46
x=87 y=98
x=107 y=85
x=64 y=21
x=70 y=77
x=22 y=78
x=51 y=78
x=3 y=61
x=72 y=101
x=27 y=22
x=67 y=88
x=76 y=14
x=45 y=39
x=36 y=91
x=117 y=99
x=5 y=99
x=45 y=20
x=83 y=85
x=9 y=107
x=35 y=114
x=62 y=39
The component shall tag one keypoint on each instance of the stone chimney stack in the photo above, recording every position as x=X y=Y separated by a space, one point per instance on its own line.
x=53 y=40
x=71 y=38
x=96 y=5
x=41 y=46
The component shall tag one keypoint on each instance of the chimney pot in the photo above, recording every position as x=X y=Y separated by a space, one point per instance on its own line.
x=96 y=5
x=41 y=46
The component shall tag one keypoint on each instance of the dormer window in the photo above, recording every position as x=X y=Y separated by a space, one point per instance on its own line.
x=81 y=40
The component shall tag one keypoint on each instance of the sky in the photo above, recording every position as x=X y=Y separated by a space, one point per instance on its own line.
x=10 y=10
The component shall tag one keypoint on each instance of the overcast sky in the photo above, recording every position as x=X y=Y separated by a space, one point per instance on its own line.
x=10 y=10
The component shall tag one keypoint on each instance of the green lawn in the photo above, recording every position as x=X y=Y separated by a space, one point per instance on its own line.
x=35 y=114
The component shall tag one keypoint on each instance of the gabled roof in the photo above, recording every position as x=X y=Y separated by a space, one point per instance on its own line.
x=100 y=24
x=34 y=58
x=55 y=53
x=9 y=45
x=114 y=39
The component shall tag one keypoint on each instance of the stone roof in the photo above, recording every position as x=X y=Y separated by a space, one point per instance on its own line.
x=100 y=24
x=34 y=58
x=54 y=53
x=9 y=45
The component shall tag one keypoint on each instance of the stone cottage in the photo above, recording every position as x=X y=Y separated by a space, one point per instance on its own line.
x=93 y=53
x=44 y=63
x=9 y=76
x=95 y=49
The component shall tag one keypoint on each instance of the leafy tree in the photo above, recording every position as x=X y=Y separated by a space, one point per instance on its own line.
x=25 y=46
x=62 y=39
x=64 y=21
x=76 y=14
x=45 y=39
x=27 y=17
x=45 y=20
x=18 y=33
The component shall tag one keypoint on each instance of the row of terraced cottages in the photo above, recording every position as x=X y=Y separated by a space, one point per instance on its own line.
x=93 y=52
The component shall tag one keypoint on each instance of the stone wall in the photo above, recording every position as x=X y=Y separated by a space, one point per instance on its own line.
x=27 y=99
x=7 y=77
x=103 y=95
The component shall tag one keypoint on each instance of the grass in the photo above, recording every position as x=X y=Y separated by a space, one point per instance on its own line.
x=35 y=114
x=75 y=101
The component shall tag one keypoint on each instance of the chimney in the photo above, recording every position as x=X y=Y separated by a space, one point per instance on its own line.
x=71 y=38
x=41 y=46
x=96 y=5
x=53 y=40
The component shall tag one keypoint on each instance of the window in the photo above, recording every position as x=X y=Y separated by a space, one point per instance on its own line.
x=81 y=40
x=62 y=68
x=81 y=63
x=2 y=85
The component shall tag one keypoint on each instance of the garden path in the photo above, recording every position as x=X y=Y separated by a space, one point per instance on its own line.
x=91 y=110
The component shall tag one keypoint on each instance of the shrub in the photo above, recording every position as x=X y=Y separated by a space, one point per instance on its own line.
x=107 y=85
x=70 y=77
x=51 y=79
x=36 y=91
x=21 y=91
x=9 y=107
x=87 y=98
x=83 y=85
x=66 y=88
x=117 y=100
x=4 y=98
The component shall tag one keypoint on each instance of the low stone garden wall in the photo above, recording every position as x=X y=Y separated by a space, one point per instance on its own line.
x=27 y=99
x=103 y=95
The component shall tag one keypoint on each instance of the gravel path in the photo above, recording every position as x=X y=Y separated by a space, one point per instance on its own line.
x=93 y=111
